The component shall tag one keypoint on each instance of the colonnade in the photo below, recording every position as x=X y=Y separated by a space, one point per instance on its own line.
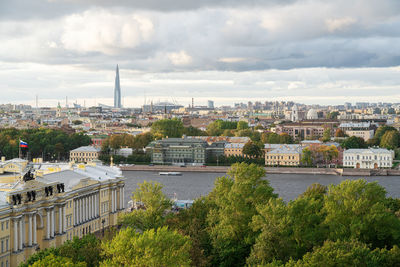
x=86 y=208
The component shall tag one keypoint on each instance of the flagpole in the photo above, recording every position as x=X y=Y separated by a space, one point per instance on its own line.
x=19 y=148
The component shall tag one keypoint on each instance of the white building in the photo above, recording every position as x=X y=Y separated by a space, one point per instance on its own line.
x=368 y=158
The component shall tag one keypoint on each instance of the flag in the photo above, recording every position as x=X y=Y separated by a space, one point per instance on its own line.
x=23 y=144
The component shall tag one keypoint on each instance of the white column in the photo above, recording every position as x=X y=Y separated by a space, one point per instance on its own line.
x=20 y=234
x=115 y=200
x=121 y=200
x=123 y=197
x=60 y=219
x=52 y=223
x=48 y=224
x=34 y=229
x=80 y=210
x=84 y=209
x=30 y=230
x=64 y=220
x=90 y=207
x=74 y=211
x=112 y=200
x=15 y=235
x=96 y=204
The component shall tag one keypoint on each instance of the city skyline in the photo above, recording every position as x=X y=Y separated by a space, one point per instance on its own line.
x=221 y=50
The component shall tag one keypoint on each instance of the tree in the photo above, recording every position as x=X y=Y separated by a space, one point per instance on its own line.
x=86 y=249
x=193 y=131
x=390 y=139
x=354 y=142
x=348 y=253
x=77 y=122
x=381 y=131
x=167 y=127
x=307 y=157
x=192 y=222
x=241 y=125
x=154 y=247
x=154 y=202
x=288 y=231
x=56 y=261
x=339 y=133
x=252 y=150
x=356 y=210
x=39 y=256
x=236 y=197
x=327 y=135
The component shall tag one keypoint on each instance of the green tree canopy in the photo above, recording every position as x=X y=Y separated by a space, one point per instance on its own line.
x=356 y=210
x=154 y=247
x=390 y=139
x=56 y=261
x=241 y=125
x=252 y=150
x=167 y=127
x=155 y=203
x=354 y=142
x=236 y=197
x=348 y=253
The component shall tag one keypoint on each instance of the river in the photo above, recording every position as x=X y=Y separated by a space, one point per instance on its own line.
x=192 y=185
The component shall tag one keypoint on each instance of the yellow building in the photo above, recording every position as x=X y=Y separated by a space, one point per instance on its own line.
x=233 y=149
x=84 y=154
x=282 y=154
x=53 y=203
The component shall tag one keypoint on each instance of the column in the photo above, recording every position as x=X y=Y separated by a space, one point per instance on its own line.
x=48 y=224
x=64 y=220
x=60 y=220
x=96 y=204
x=34 y=229
x=90 y=207
x=115 y=200
x=52 y=223
x=123 y=197
x=80 y=210
x=84 y=209
x=112 y=200
x=20 y=234
x=15 y=235
x=121 y=200
x=74 y=212
x=30 y=230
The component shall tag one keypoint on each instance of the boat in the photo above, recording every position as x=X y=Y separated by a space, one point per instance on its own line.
x=170 y=173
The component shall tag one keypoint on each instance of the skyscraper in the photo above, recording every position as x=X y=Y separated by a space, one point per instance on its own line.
x=117 y=91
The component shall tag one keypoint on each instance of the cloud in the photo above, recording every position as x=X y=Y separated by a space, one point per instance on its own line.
x=105 y=32
x=180 y=58
x=243 y=38
x=339 y=24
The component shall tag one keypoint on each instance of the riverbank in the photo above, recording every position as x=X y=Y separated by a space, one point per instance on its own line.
x=274 y=170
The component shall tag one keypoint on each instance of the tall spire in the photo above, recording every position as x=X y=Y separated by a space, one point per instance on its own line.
x=117 y=91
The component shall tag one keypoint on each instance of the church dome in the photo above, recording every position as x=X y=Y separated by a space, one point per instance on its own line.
x=312 y=114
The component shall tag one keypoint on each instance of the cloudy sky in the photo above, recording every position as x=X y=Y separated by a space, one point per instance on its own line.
x=309 y=51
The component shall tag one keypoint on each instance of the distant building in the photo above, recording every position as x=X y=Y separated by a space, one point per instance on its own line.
x=84 y=154
x=179 y=151
x=210 y=104
x=234 y=149
x=364 y=130
x=282 y=154
x=306 y=129
x=368 y=158
x=117 y=91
